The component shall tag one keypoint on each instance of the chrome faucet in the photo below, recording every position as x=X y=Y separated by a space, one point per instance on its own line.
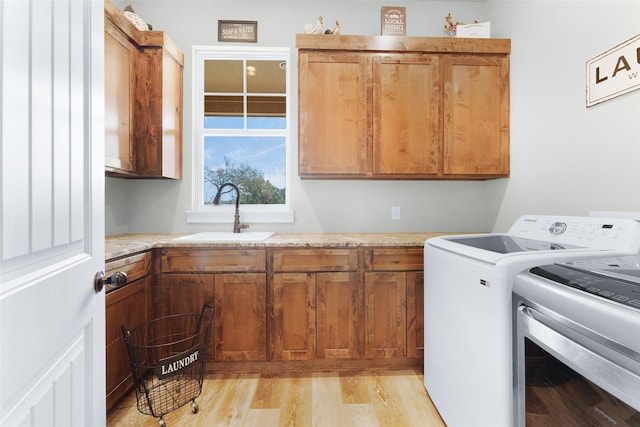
x=236 y=220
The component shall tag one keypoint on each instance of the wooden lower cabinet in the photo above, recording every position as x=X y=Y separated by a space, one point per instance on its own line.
x=316 y=316
x=385 y=315
x=240 y=317
x=128 y=306
x=415 y=314
x=234 y=282
x=294 y=319
x=239 y=303
x=339 y=312
x=187 y=293
x=317 y=304
x=394 y=314
x=321 y=305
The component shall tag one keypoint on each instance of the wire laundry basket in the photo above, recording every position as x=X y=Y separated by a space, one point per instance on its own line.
x=168 y=357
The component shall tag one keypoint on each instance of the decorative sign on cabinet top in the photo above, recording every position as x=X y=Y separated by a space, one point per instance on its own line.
x=394 y=21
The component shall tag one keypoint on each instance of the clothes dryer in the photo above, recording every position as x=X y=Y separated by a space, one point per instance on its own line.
x=468 y=363
x=576 y=343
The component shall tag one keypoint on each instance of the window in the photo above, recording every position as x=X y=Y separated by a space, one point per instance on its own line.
x=241 y=131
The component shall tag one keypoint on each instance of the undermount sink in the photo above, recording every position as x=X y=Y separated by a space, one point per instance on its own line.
x=225 y=236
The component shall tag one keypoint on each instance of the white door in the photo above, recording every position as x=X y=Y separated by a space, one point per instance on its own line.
x=51 y=213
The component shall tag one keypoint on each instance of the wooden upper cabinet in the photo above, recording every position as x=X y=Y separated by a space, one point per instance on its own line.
x=406 y=115
x=158 y=101
x=120 y=68
x=476 y=115
x=143 y=100
x=333 y=113
x=374 y=107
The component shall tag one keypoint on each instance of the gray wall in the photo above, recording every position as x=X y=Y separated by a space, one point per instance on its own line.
x=565 y=159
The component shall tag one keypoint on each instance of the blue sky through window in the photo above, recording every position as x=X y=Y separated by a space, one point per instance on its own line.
x=265 y=153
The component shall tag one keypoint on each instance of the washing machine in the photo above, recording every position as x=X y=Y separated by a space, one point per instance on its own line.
x=468 y=282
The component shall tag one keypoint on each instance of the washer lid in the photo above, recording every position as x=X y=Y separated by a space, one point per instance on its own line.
x=506 y=244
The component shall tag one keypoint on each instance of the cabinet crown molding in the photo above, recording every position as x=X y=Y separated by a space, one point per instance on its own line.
x=403 y=44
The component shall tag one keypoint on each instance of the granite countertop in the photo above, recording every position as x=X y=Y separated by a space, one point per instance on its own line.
x=127 y=244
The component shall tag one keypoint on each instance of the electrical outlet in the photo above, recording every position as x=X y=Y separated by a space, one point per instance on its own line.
x=395 y=212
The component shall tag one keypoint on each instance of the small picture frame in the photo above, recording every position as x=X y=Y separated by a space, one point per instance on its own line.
x=238 y=31
x=393 y=21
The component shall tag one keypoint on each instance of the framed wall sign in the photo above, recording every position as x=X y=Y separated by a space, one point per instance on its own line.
x=238 y=31
x=614 y=72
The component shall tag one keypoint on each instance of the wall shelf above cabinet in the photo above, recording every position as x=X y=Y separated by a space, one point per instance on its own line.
x=389 y=107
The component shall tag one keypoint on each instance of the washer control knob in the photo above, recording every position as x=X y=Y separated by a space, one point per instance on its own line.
x=557 y=228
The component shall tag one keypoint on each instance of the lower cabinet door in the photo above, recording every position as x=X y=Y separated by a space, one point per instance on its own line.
x=339 y=313
x=187 y=293
x=240 y=318
x=385 y=315
x=128 y=307
x=294 y=309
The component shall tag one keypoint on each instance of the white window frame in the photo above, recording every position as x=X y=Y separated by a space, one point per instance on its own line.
x=223 y=213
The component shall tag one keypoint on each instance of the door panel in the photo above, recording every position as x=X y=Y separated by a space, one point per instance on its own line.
x=334 y=125
x=52 y=213
x=476 y=115
x=406 y=115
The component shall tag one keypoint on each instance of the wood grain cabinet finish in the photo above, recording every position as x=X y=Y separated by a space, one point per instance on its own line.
x=394 y=299
x=240 y=318
x=372 y=107
x=340 y=307
x=127 y=306
x=187 y=293
x=415 y=314
x=317 y=304
x=311 y=305
x=233 y=281
x=406 y=115
x=294 y=318
x=143 y=100
x=334 y=114
x=120 y=69
x=476 y=115
x=158 y=107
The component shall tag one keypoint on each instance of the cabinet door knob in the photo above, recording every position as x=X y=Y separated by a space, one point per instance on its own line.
x=114 y=281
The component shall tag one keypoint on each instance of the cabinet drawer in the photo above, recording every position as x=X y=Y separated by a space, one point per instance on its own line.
x=136 y=266
x=394 y=259
x=301 y=260
x=213 y=260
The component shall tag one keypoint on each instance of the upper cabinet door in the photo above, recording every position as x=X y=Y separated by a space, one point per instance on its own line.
x=476 y=115
x=333 y=115
x=406 y=114
x=119 y=61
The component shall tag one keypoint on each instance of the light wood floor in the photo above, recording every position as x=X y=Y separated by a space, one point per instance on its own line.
x=388 y=398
